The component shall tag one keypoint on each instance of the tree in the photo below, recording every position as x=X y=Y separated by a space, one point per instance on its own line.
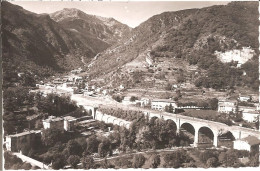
x=72 y=148
x=155 y=161
x=168 y=87
x=204 y=156
x=73 y=160
x=101 y=150
x=170 y=108
x=212 y=162
x=58 y=161
x=133 y=98
x=92 y=144
x=172 y=160
x=124 y=163
x=180 y=78
x=51 y=136
x=87 y=162
x=38 y=124
x=139 y=160
x=213 y=103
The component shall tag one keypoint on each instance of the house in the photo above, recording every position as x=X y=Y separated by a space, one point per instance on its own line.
x=160 y=104
x=127 y=101
x=105 y=92
x=121 y=87
x=15 y=142
x=144 y=102
x=57 y=81
x=244 y=98
x=76 y=71
x=88 y=93
x=53 y=122
x=250 y=116
x=247 y=108
x=69 y=123
x=250 y=143
x=227 y=106
x=149 y=60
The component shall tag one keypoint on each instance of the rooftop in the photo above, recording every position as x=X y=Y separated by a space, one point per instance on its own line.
x=24 y=133
x=251 y=112
x=69 y=118
x=163 y=100
x=53 y=119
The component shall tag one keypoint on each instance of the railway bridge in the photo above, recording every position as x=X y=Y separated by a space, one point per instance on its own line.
x=197 y=128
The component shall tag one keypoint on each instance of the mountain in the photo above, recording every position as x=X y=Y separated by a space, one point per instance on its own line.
x=38 y=45
x=107 y=30
x=183 y=43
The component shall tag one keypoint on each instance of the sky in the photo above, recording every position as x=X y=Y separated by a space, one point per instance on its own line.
x=130 y=13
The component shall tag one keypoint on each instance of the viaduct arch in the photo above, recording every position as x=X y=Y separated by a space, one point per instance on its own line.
x=217 y=134
x=207 y=132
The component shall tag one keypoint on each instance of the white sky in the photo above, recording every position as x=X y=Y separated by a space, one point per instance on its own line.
x=130 y=13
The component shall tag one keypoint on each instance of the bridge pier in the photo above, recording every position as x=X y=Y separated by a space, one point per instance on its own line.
x=196 y=138
x=215 y=140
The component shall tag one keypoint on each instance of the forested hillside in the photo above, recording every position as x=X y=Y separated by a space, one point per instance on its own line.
x=193 y=36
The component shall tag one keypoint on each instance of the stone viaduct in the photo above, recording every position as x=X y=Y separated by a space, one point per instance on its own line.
x=98 y=115
x=198 y=126
x=194 y=126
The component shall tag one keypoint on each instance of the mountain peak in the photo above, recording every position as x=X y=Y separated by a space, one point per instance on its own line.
x=67 y=13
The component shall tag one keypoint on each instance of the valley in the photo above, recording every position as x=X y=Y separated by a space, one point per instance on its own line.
x=180 y=90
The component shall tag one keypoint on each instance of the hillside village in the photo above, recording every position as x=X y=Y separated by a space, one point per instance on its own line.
x=141 y=102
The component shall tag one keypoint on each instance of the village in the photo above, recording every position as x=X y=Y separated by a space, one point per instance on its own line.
x=89 y=86
x=241 y=110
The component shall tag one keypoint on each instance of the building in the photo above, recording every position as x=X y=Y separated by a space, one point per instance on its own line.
x=149 y=60
x=88 y=93
x=69 y=123
x=160 y=104
x=244 y=98
x=143 y=102
x=227 y=106
x=15 y=142
x=121 y=87
x=105 y=92
x=250 y=143
x=127 y=101
x=250 y=116
x=53 y=122
x=76 y=71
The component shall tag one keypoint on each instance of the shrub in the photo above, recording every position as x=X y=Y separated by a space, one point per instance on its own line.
x=155 y=161
x=139 y=160
x=212 y=162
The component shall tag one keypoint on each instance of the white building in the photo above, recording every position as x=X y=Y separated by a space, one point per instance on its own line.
x=250 y=116
x=244 y=98
x=53 y=122
x=127 y=101
x=69 y=123
x=249 y=143
x=143 y=102
x=149 y=60
x=227 y=106
x=121 y=87
x=160 y=104
x=105 y=92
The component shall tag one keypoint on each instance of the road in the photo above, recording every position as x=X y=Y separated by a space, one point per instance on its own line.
x=33 y=162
